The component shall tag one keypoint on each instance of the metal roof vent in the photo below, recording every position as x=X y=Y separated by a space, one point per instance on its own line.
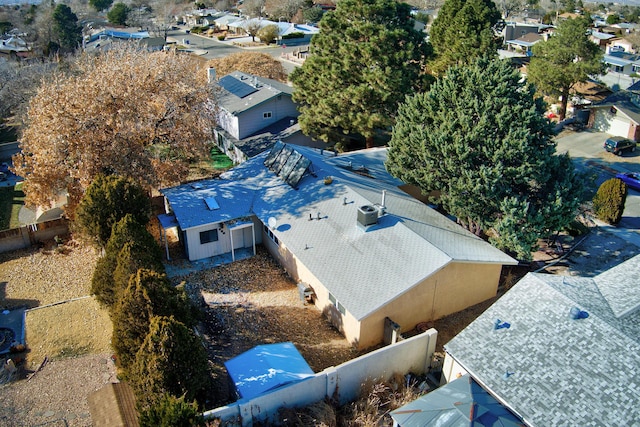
x=367 y=215
x=575 y=313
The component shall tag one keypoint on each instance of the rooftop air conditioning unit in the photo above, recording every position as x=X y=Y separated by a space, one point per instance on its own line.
x=367 y=215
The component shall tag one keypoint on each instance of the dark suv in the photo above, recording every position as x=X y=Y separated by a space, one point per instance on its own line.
x=618 y=144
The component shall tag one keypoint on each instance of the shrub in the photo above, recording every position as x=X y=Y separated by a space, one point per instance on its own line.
x=171 y=360
x=608 y=203
x=127 y=230
x=107 y=200
x=268 y=34
x=222 y=37
x=172 y=411
x=148 y=294
x=296 y=35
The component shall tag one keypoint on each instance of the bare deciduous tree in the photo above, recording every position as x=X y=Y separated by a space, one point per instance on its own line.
x=126 y=112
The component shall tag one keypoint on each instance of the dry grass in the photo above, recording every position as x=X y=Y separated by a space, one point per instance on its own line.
x=71 y=329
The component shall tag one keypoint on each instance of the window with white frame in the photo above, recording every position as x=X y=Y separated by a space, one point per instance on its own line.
x=337 y=304
x=266 y=115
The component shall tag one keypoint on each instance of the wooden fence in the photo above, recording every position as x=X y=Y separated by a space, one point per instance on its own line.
x=29 y=235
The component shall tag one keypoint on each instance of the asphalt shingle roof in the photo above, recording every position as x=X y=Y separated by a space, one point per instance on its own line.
x=265 y=89
x=409 y=243
x=563 y=371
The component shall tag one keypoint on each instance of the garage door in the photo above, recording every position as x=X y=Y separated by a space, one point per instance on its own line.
x=610 y=123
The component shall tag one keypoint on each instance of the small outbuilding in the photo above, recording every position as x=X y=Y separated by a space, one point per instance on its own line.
x=265 y=368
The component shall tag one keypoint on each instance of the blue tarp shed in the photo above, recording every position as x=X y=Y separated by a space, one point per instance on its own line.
x=267 y=367
x=460 y=403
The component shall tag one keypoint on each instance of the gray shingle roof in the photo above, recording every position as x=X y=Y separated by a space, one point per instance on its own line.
x=266 y=89
x=564 y=372
x=409 y=243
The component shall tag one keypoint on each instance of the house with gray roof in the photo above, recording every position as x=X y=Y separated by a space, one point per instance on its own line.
x=255 y=112
x=559 y=350
x=343 y=228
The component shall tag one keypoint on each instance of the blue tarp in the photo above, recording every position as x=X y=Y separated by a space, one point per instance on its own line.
x=460 y=403
x=267 y=367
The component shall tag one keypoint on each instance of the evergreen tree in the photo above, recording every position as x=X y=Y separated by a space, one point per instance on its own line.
x=609 y=201
x=464 y=31
x=148 y=294
x=566 y=58
x=171 y=360
x=100 y=5
x=118 y=14
x=107 y=200
x=365 y=59
x=126 y=231
x=479 y=138
x=172 y=411
x=67 y=32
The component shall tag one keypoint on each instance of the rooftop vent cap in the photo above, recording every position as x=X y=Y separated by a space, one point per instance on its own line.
x=367 y=215
x=499 y=324
x=575 y=313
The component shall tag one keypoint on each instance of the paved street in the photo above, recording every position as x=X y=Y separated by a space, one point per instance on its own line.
x=586 y=149
x=210 y=48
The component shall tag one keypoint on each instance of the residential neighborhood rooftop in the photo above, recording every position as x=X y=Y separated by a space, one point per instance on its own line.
x=555 y=366
x=413 y=239
x=242 y=91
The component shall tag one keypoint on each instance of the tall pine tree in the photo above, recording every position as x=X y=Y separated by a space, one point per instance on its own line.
x=479 y=137
x=363 y=62
x=462 y=32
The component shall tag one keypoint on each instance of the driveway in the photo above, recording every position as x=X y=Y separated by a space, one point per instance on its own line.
x=586 y=149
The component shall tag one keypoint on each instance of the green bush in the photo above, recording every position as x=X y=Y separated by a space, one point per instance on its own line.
x=172 y=411
x=608 y=203
x=171 y=360
x=296 y=35
x=148 y=294
x=107 y=200
x=127 y=230
x=222 y=37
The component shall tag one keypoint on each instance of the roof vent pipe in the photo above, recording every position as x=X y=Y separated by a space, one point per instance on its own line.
x=384 y=196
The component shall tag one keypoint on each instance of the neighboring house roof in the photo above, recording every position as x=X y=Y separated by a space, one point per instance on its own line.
x=14 y=44
x=460 y=403
x=241 y=92
x=409 y=243
x=265 y=138
x=624 y=102
x=602 y=36
x=561 y=371
x=226 y=19
x=591 y=90
x=114 y=405
x=267 y=367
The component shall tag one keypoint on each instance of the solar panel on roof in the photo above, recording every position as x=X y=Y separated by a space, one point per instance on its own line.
x=281 y=160
x=271 y=157
x=212 y=204
x=236 y=87
x=289 y=165
x=298 y=172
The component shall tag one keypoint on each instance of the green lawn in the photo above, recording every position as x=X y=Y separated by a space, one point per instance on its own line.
x=11 y=200
x=220 y=160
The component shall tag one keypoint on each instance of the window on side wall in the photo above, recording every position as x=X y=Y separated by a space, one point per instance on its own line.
x=208 y=236
x=266 y=115
x=272 y=236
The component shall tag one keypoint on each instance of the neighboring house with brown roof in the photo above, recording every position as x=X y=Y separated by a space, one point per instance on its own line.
x=525 y=43
x=114 y=405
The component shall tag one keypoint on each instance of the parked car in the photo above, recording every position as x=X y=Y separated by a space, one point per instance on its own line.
x=618 y=145
x=631 y=179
